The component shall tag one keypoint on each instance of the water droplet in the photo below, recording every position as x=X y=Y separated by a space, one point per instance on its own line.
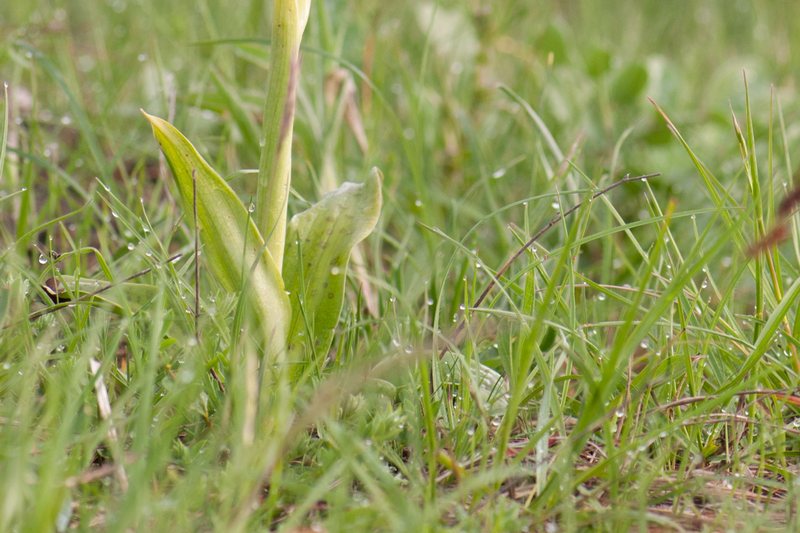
x=131 y=246
x=478 y=266
x=462 y=307
x=114 y=214
x=644 y=345
x=335 y=271
x=408 y=348
x=418 y=202
x=601 y=297
x=619 y=414
x=251 y=208
x=555 y=205
x=499 y=173
x=66 y=120
x=141 y=58
x=429 y=301
x=395 y=342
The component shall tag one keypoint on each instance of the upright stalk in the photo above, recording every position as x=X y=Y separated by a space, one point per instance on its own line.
x=274 y=171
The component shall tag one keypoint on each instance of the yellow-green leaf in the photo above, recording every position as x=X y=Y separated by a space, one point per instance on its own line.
x=233 y=249
x=318 y=247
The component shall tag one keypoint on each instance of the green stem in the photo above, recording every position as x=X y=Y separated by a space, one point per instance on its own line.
x=274 y=171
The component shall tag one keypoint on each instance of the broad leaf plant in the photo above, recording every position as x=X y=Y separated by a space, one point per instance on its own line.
x=291 y=272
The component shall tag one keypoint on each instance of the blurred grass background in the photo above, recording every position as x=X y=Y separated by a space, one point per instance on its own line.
x=463 y=162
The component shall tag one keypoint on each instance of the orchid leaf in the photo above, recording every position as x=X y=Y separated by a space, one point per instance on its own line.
x=232 y=246
x=319 y=241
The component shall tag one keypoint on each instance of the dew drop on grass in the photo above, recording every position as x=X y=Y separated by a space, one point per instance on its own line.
x=601 y=297
x=644 y=345
x=131 y=246
x=395 y=342
x=462 y=307
x=418 y=202
x=335 y=271
x=429 y=301
x=114 y=214
x=42 y=259
x=408 y=349
x=499 y=173
x=555 y=205
x=141 y=58
x=251 y=208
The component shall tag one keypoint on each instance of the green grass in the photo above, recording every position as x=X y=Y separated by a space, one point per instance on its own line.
x=633 y=369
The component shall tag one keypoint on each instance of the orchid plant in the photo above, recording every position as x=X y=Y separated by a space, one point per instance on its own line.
x=291 y=272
